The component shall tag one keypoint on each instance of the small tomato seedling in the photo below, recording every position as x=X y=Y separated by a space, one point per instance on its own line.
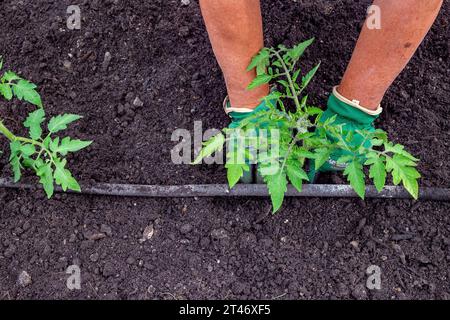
x=43 y=153
x=303 y=137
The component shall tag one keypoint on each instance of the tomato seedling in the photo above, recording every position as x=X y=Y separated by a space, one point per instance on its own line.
x=43 y=153
x=302 y=136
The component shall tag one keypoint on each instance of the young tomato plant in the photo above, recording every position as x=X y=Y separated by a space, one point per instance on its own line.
x=43 y=153
x=301 y=136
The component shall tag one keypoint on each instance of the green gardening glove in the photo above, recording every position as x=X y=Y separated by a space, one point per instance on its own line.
x=353 y=117
x=236 y=119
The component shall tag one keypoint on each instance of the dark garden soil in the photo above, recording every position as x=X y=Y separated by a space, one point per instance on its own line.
x=209 y=248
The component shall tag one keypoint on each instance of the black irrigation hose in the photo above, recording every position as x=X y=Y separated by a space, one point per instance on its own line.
x=249 y=190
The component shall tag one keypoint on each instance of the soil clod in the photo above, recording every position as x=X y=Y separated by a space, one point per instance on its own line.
x=24 y=279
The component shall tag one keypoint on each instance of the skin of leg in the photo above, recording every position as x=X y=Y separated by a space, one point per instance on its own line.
x=236 y=34
x=381 y=54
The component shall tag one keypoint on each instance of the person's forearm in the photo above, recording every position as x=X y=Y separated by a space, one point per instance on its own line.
x=381 y=54
x=236 y=34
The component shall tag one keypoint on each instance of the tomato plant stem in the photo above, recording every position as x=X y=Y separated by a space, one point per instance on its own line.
x=8 y=134
x=289 y=78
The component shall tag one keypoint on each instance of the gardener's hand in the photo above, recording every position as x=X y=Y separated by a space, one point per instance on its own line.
x=354 y=119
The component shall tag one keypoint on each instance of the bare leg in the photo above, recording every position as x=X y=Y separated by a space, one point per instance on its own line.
x=381 y=54
x=236 y=34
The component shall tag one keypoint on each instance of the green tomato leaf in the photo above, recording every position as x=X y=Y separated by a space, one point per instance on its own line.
x=45 y=172
x=376 y=142
x=212 y=145
x=60 y=122
x=277 y=186
x=377 y=172
x=380 y=134
x=10 y=76
x=312 y=111
x=46 y=142
x=33 y=122
x=399 y=149
x=28 y=162
x=261 y=60
x=259 y=80
x=53 y=145
x=25 y=90
x=67 y=145
x=15 y=149
x=275 y=95
x=15 y=164
x=344 y=159
x=355 y=175
x=321 y=156
x=401 y=160
x=28 y=149
x=308 y=77
x=296 y=74
x=403 y=172
x=235 y=172
x=296 y=175
x=303 y=153
x=285 y=84
x=349 y=136
x=38 y=163
x=6 y=91
x=409 y=179
x=296 y=52
x=63 y=177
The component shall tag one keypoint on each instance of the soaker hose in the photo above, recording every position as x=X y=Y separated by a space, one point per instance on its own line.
x=249 y=190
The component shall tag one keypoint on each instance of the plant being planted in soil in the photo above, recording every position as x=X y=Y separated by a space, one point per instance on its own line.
x=45 y=154
x=302 y=136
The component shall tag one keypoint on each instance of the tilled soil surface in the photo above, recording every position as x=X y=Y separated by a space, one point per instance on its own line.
x=211 y=249
x=208 y=248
